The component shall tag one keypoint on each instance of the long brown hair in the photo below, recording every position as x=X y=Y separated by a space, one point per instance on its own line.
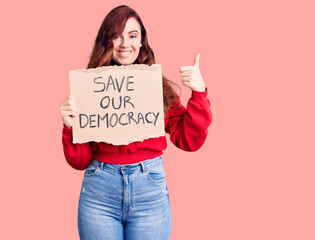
x=113 y=25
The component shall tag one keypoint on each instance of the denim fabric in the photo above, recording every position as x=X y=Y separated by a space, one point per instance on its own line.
x=128 y=202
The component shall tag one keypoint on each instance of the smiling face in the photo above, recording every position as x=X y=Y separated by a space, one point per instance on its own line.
x=127 y=45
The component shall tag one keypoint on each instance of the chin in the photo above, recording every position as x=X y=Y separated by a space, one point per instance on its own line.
x=124 y=62
x=127 y=63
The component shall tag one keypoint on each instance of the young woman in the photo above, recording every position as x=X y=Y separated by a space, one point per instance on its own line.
x=124 y=193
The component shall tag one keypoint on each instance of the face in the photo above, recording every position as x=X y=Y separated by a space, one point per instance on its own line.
x=127 y=45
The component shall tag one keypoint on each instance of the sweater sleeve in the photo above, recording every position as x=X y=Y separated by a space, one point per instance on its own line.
x=77 y=155
x=188 y=128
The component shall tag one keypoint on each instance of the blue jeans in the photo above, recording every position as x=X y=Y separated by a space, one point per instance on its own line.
x=128 y=202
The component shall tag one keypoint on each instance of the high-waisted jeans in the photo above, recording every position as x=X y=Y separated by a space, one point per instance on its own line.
x=128 y=202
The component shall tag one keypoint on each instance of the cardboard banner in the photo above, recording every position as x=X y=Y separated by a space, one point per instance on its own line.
x=117 y=104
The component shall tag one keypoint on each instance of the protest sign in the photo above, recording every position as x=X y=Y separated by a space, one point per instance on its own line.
x=117 y=104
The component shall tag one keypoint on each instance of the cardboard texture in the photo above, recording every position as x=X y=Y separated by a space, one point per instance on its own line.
x=117 y=104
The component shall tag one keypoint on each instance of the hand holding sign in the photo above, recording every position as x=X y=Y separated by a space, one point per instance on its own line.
x=191 y=76
x=68 y=110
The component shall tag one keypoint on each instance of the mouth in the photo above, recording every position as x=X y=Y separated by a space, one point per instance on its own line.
x=124 y=53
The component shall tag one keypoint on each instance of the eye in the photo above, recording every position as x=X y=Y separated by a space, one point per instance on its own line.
x=117 y=37
x=133 y=36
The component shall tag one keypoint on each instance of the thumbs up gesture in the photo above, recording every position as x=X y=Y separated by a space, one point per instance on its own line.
x=191 y=76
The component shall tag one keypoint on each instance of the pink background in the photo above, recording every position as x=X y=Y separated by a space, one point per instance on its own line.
x=254 y=176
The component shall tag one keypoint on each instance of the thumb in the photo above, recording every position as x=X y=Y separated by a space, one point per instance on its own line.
x=196 y=61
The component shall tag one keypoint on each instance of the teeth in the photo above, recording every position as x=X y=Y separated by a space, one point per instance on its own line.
x=124 y=53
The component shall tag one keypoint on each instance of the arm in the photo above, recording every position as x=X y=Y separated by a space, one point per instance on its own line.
x=78 y=156
x=188 y=128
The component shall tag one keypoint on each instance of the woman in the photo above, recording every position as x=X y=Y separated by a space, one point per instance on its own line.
x=124 y=193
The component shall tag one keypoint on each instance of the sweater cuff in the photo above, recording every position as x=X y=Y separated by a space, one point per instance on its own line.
x=67 y=131
x=199 y=97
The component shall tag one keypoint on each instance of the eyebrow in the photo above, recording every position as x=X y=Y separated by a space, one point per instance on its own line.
x=133 y=31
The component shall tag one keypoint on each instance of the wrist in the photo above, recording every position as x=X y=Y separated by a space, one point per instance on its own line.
x=201 y=89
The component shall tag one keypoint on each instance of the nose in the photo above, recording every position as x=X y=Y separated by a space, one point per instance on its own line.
x=124 y=42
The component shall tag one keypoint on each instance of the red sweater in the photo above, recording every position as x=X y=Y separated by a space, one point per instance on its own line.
x=187 y=129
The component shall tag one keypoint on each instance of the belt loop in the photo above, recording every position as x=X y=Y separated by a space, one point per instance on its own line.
x=101 y=166
x=163 y=160
x=122 y=172
x=143 y=167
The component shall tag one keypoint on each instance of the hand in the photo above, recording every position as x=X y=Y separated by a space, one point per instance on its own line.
x=191 y=76
x=68 y=110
